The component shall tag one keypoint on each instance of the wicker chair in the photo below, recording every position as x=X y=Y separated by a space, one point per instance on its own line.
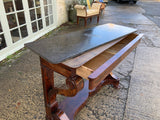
x=82 y=12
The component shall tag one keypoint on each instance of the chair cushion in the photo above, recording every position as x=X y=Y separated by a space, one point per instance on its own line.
x=91 y=12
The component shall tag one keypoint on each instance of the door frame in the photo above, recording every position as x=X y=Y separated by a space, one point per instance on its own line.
x=13 y=47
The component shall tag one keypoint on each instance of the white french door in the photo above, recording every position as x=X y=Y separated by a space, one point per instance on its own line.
x=22 y=21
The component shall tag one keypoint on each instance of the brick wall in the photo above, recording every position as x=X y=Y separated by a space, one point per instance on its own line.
x=62 y=10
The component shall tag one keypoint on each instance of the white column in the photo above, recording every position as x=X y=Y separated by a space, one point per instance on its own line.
x=43 y=14
x=5 y=24
x=54 y=4
x=27 y=16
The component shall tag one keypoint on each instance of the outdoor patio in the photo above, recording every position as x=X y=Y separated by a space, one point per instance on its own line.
x=21 y=95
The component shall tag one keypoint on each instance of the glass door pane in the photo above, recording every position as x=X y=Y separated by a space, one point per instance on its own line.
x=38 y=19
x=16 y=19
x=2 y=39
x=35 y=15
x=48 y=8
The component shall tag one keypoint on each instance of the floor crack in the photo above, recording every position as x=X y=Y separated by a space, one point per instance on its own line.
x=129 y=79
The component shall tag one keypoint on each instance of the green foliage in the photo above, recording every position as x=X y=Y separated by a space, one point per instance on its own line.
x=47 y=34
x=10 y=58
x=84 y=2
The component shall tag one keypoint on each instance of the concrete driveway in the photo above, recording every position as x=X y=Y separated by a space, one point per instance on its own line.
x=152 y=9
x=21 y=95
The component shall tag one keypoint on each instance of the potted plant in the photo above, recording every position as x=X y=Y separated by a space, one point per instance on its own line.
x=72 y=10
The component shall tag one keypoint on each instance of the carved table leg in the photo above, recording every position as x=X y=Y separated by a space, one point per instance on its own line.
x=112 y=80
x=74 y=82
x=48 y=83
x=72 y=105
x=78 y=93
x=52 y=109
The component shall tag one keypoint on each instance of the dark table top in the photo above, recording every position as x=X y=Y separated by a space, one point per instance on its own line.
x=59 y=48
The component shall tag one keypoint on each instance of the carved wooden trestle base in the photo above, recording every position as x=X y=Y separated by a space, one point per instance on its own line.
x=76 y=94
x=91 y=54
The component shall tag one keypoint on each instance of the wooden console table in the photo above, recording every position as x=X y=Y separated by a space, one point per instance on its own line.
x=90 y=54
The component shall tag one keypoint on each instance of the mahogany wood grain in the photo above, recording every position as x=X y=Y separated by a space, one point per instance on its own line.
x=48 y=84
x=96 y=68
x=57 y=67
x=75 y=84
x=100 y=73
x=115 y=48
x=84 y=72
x=72 y=105
x=82 y=59
x=100 y=59
x=89 y=67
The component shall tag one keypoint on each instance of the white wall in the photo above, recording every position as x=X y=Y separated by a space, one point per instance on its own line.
x=62 y=10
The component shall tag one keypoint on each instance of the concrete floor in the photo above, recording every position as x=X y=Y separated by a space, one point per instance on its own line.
x=152 y=9
x=21 y=95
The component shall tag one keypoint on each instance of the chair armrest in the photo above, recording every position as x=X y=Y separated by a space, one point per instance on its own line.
x=103 y=5
x=79 y=7
x=81 y=10
x=96 y=6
